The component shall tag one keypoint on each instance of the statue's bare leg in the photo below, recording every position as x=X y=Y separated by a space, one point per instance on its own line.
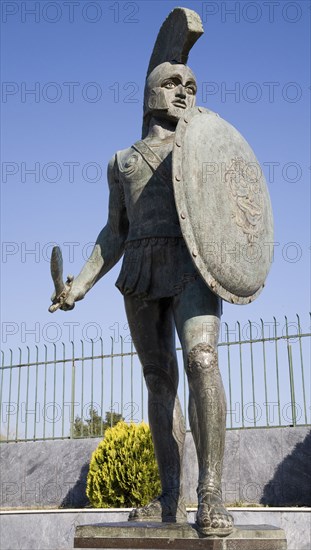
x=153 y=332
x=197 y=316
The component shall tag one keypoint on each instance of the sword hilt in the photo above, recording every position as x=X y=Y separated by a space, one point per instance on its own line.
x=59 y=300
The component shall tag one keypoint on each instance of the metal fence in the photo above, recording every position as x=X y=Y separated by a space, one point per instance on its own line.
x=44 y=394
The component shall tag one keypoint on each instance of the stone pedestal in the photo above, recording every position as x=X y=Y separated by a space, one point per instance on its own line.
x=155 y=536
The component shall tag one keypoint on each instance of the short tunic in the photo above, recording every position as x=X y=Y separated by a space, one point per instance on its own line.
x=155 y=268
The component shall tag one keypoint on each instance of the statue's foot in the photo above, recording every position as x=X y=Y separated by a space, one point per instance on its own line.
x=213 y=518
x=167 y=508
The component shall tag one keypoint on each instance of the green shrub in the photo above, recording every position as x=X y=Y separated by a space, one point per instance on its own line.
x=123 y=470
x=94 y=425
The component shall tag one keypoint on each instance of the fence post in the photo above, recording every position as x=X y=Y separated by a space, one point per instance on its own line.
x=302 y=371
x=1 y=385
x=291 y=382
x=18 y=394
x=72 y=404
x=10 y=393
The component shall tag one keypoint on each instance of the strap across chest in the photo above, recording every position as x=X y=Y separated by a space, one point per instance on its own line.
x=154 y=161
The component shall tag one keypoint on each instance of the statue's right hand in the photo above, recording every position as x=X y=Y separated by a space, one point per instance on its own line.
x=71 y=293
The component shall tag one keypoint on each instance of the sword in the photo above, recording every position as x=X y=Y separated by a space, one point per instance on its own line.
x=61 y=289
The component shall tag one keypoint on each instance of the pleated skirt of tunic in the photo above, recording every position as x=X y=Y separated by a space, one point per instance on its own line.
x=156 y=267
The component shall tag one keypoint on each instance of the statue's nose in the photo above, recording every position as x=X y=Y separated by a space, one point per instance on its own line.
x=180 y=91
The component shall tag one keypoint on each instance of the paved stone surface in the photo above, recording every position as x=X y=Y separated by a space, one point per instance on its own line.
x=261 y=452
x=296 y=524
x=53 y=473
x=45 y=473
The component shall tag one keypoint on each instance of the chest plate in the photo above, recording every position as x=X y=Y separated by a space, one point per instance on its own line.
x=146 y=179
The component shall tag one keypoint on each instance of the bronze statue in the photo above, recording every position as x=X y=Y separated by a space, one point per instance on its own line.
x=162 y=218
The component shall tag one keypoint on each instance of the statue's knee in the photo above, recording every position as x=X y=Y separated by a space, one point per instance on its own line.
x=202 y=359
x=157 y=380
x=153 y=382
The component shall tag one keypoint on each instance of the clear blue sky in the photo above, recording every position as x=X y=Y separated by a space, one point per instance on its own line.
x=87 y=63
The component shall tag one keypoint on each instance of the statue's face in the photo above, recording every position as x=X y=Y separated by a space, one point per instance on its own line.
x=170 y=91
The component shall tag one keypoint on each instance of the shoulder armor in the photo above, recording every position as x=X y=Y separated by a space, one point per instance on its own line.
x=128 y=160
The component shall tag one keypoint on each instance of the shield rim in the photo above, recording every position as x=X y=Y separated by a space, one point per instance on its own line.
x=182 y=210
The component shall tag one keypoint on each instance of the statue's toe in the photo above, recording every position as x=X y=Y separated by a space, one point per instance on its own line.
x=168 y=507
x=214 y=519
x=151 y=512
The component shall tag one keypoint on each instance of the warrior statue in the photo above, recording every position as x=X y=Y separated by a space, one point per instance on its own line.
x=177 y=197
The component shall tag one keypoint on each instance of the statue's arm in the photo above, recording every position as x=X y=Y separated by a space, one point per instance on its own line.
x=109 y=244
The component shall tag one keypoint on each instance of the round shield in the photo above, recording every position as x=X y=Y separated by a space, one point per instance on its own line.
x=223 y=204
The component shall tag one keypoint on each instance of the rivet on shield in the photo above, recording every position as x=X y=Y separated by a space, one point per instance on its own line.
x=194 y=253
x=186 y=120
x=183 y=215
x=177 y=178
x=178 y=144
x=200 y=109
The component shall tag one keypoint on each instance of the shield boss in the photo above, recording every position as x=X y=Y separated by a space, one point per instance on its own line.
x=223 y=204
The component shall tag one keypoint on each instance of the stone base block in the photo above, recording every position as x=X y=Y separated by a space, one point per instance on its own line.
x=156 y=536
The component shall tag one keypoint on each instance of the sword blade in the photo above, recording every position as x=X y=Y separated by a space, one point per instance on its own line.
x=57 y=270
